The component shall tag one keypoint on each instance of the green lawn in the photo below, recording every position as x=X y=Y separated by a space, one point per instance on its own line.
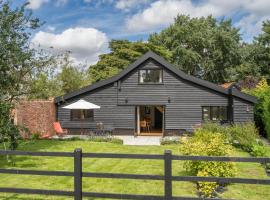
x=237 y=191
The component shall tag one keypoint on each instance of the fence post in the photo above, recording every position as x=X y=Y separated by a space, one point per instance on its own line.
x=78 y=174
x=168 y=174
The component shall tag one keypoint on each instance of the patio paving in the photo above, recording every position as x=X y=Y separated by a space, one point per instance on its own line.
x=140 y=140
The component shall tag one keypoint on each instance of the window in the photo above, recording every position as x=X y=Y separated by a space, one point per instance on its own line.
x=77 y=115
x=215 y=113
x=150 y=76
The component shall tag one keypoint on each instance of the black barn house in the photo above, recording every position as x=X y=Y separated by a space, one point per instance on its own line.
x=152 y=97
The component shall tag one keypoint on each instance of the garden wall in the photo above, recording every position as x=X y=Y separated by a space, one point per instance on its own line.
x=36 y=115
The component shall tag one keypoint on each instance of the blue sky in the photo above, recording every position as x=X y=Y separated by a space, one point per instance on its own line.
x=84 y=27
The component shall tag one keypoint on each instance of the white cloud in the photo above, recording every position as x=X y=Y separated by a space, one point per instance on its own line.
x=61 y=2
x=162 y=13
x=127 y=4
x=85 y=44
x=50 y=28
x=36 y=4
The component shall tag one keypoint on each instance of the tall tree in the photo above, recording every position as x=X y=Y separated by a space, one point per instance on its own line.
x=18 y=60
x=17 y=63
x=255 y=57
x=123 y=52
x=203 y=47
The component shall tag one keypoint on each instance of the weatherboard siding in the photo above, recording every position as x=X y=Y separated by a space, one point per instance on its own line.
x=109 y=113
x=243 y=111
x=185 y=109
x=118 y=101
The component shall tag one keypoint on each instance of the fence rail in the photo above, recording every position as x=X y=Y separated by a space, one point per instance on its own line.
x=168 y=178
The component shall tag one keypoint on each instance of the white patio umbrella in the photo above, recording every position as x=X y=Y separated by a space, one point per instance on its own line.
x=82 y=105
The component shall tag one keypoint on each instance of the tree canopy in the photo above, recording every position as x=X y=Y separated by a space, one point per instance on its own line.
x=203 y=47
x=123 y=52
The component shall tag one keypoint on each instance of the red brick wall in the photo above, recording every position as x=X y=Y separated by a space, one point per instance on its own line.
x=36 y=115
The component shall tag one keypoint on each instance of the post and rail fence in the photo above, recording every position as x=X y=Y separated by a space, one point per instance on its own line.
x=168 y=178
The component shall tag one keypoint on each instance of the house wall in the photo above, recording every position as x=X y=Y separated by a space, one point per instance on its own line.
x=120 y=117
x=184 y=111
x=118 y=102
x=243 y=111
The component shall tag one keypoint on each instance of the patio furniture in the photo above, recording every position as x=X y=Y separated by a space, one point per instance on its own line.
x=82 y=105
x=143 y=125
x=58 y=129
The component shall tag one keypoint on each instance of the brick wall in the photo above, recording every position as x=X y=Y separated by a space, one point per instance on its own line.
x=36 y=115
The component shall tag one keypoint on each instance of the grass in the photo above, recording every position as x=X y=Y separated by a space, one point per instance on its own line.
x=250 y=170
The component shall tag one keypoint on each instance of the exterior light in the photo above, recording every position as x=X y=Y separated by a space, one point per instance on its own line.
x=169 y=99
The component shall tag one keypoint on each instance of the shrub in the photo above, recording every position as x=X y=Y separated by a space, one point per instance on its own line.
x=206 y=143
x=243 y=135
x=258 y=151
x=170 y=140
x=110 y=139
x=262 y=108
x=35 y=136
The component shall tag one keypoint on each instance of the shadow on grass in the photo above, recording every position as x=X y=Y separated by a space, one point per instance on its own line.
x=28 y=145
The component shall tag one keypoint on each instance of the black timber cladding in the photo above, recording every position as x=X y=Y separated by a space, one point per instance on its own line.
x=119 y=95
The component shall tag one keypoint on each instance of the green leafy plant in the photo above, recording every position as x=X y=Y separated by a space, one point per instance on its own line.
x=35 y=136
x=110 y=139
x=206 y=143
x=243 y=135
x=169 y=141
x=258 y=151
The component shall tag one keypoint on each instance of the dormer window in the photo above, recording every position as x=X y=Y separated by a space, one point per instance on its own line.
x=150 y=76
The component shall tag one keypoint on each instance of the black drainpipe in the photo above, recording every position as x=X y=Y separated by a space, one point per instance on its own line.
x=230 y=106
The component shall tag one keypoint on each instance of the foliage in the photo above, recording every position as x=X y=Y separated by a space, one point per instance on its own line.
x=19 y=62
x=109 y=139
x=123 y=52
x=258 y=151
x=9 y=133
x=255 y=57
x=203 y=47
x=206 y=143
x=170 y=140
x=54 y=81
x=35 y=136
x=262 y=108
x=244 y=135
x=72 y=77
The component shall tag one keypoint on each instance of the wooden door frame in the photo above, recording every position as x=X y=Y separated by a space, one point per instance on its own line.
x=138 y=115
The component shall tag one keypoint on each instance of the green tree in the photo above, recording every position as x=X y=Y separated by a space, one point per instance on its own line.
x=71 y=77
x=255 y=57
x=123 y=52
x=203 y=47
x=18 y=60
x=18 y=63
x=262 y=108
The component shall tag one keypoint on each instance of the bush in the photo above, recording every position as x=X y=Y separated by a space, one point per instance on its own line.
x=35 y=136
x=262 y=108
x=243 y=135
x=170 y=140
x=258 y=151
x=110 y=139
x=206 y=143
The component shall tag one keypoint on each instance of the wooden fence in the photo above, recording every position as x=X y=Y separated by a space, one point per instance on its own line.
x=167 y=177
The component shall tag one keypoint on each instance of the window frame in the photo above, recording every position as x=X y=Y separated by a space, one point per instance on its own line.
x=82 y=110
x=211 y=113
x=150 y=83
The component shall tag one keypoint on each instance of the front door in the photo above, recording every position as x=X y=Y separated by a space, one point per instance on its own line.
x=149 y=120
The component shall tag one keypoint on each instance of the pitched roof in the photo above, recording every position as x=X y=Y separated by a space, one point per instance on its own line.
x=165 y=64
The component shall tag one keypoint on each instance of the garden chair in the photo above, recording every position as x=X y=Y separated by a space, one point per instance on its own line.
x=58 y=129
